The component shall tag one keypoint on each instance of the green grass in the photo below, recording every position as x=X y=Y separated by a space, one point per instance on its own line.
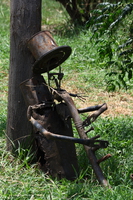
x=19 y=178
x=53 y=13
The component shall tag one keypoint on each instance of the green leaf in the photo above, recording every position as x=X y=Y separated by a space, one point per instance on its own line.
x=130 y=74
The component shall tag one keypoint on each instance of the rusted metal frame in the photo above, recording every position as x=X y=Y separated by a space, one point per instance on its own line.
x=79 y=126
x=48 y=135
x=51 y=76
x=57 y=158
x=95 y=115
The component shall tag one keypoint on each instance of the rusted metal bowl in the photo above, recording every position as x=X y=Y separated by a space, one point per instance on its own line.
x=46 y=52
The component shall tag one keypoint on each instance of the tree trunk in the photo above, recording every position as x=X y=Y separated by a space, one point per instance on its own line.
x=72 y=10
x=25 y=22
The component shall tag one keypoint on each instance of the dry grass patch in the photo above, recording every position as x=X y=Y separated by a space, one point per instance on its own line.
x=119 y=103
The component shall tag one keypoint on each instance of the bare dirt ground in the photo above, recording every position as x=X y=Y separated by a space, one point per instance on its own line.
x=119 y=103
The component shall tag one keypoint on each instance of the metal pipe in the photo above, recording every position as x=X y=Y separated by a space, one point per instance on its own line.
x=49 y=135
x=78 y=123
x=89 y=109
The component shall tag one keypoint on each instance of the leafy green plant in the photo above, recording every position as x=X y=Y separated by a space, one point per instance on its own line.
x=114 y=47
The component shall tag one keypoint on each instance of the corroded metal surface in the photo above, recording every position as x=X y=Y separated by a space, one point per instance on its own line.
x=58 y=158
x=56 y=155
x=80 y=129
x=46 y=52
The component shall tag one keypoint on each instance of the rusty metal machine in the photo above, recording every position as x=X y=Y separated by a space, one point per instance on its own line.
x=51 y=111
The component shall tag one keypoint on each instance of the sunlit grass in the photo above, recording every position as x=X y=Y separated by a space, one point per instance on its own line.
x=19 y=178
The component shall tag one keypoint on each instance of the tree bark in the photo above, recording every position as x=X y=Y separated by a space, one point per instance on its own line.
x=73 y=11
x=25 y=21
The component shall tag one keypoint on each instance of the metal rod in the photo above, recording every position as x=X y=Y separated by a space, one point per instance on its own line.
x=89 y=109
x=103 y=158
x=89 y=142
x=95 y=115
x=78 y=123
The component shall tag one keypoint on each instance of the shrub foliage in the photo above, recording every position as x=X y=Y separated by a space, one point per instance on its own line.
x=115 y=47
x=112 y=27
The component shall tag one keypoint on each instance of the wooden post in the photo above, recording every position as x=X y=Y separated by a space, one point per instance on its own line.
x=25 y=22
